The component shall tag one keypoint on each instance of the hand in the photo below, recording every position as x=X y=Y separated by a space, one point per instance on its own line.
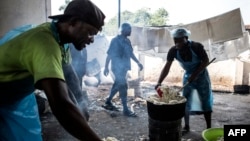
x=140 y=66
x=159 y=91
x=156 y=86
x=106 y=71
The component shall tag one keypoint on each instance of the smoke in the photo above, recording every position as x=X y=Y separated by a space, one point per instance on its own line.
x=75 y=90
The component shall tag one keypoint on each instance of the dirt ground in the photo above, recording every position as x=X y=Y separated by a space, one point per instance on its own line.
x=229 y=108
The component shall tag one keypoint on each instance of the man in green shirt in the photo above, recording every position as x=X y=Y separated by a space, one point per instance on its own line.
x=33 y=60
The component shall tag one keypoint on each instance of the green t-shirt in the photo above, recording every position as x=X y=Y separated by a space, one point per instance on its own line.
x=33 y=53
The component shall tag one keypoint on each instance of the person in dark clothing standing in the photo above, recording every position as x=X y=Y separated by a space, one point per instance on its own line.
x=79 y=61
x=119 y=53
x=192 y=58
x=73 y=73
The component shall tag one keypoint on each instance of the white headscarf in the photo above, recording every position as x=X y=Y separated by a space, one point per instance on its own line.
x=180 y=32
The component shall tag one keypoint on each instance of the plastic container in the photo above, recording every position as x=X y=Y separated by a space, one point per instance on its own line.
x=241 y=89
x=212 y=134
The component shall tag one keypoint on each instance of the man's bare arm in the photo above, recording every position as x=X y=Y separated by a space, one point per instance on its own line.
x=66 y=112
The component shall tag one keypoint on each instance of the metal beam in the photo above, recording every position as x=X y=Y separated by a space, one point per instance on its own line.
x=119 y=13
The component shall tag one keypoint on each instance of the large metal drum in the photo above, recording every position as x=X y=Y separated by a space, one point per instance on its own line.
x=166 y=112
x=165 y=121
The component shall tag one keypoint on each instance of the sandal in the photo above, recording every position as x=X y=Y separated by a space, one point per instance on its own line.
x=110 y=107
x=129 y=114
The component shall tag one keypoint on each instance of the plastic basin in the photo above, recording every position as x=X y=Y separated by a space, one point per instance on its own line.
x=212 y=134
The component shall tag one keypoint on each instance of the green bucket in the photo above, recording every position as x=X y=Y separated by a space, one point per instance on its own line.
x=213 y=134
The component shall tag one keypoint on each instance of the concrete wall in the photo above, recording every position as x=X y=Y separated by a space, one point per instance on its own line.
x=222 y=73
x=15 y=13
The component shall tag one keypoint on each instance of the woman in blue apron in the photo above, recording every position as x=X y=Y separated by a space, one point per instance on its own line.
x=193 y=59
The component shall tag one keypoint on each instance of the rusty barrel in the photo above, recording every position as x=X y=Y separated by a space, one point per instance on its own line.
x=165 y=121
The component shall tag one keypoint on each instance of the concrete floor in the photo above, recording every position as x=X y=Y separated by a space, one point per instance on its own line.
x=229 y=108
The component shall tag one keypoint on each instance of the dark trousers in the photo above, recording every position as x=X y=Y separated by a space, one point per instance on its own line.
x=120 y=85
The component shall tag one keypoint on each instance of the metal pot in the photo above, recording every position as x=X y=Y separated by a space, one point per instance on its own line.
x=166 y=112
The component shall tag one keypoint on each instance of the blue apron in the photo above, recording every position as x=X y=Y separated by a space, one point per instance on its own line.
x=19 y=117
x=202 y=82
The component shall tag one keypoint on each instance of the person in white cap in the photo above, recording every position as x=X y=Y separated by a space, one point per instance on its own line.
x=192 y=58
x=35 y=62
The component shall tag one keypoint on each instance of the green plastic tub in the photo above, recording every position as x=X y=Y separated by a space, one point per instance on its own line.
x=213 y=134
